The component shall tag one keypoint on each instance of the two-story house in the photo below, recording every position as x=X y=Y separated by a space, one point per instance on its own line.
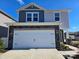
x=37 y=27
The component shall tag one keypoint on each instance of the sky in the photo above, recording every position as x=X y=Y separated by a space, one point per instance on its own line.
x=10 y=7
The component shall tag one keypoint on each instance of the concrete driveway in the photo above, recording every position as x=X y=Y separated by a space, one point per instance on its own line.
x=1 y=53
x=32 y=54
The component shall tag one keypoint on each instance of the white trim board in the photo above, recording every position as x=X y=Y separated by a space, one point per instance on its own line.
x=34 y=24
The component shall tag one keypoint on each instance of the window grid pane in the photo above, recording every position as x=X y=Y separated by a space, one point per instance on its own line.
x=35 y=17
x=29 y=17
x=57 y=16
x=32 y=16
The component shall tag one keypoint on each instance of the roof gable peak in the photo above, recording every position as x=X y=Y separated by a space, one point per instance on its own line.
x=30 y=6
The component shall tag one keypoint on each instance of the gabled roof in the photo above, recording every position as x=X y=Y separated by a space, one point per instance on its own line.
x=4 y=13
x=26 y=6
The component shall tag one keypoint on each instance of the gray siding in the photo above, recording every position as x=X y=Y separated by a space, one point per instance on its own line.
x=3 y=31
x=22 y=15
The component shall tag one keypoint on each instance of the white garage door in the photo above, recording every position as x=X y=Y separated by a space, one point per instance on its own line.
x=34 y=39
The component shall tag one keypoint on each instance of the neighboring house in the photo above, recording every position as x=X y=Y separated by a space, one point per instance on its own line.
x=4 y=18
x=77 y=36
x=37 y=28
x=74 y=36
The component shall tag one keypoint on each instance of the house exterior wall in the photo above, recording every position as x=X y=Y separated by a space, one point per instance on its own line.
x=74 y=35
x=3 y=31
x=77 y=36
x=22 y=15
x=45 y=15
x=49 y=17
x=4 y=19
x=64 y=20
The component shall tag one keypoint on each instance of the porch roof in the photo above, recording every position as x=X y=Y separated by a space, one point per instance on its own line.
x=34 y=23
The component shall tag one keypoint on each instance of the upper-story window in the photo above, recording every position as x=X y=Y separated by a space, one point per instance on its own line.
x=32 y=16
x=57 y=16
x=29 y=17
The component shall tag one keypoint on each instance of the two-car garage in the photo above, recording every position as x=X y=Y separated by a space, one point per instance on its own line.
x=23 y=38
x=33 y=35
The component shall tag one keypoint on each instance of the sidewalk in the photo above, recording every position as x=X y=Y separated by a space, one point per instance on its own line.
x=73 y=48
x=1 y=54
x=72 y=52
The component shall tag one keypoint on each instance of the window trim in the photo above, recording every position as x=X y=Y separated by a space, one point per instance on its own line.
x=32 y=13
x=59 y=15
x=26 y=17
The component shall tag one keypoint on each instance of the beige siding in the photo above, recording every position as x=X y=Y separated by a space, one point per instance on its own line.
x=49 y=17
x=64 y=20
x=4 y=19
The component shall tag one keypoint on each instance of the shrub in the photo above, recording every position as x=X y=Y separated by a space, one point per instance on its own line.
x=64 y=47
x=2 y=50
x=1 y=44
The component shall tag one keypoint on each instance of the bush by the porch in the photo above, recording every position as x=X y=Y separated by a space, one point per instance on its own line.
x=2 y=46
x=63 y=47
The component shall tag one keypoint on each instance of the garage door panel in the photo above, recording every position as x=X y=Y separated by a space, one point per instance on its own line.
x=33 y=38
x=21 y=40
